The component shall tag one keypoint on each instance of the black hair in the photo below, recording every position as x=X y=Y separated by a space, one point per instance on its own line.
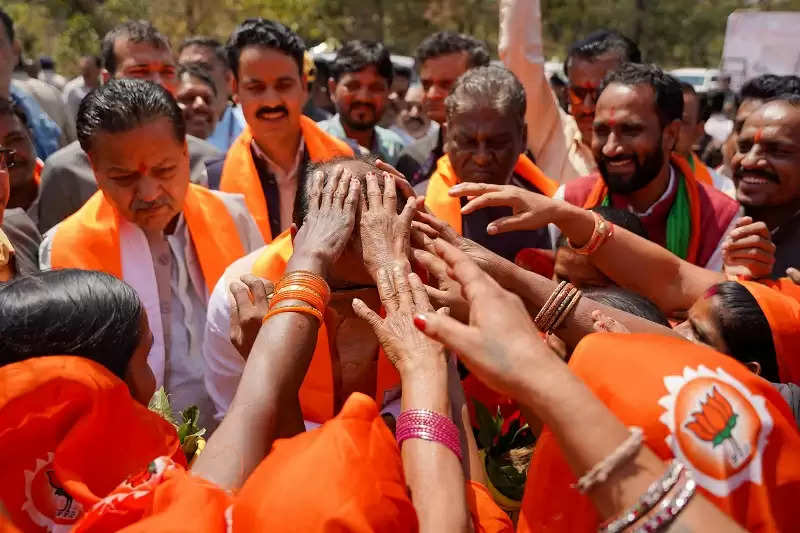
x=688 y=88
x=47 y=63
x=8 y=107
x=137 y=31
x=764 y=87
x=667 y=89
x=627 y=301
x=326 y=167
x=600 y=42
x=210 y=43
x=8 y=24
x=266 y=33
x=449 y=42
x=97 y=61
x=493 y=84
x=745 y=329
x=403 y=72
x=618 y=217
x=70 y=312
x=199 y=71
x=357 y=55
x=556 y=81
x=121 y=105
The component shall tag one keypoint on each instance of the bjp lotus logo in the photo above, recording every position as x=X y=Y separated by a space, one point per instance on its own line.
x=717 y=426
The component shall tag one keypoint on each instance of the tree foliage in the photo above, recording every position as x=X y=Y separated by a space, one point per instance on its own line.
x=670 y=32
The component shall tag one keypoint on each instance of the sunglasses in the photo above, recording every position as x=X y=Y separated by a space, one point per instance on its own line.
x=7 y=157
x=577 y=95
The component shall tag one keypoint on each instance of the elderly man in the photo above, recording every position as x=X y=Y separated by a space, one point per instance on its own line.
x=209 y=54
x=361 y=76
x=765 y=171
x=636 y=126
x=346 y=358
x=270 y=155
x=441 y=58
x=484 y=143
x=134 y=49
x=169 y=239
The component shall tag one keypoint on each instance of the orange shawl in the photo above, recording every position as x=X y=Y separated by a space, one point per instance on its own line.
x=701 y=172
x=785 y=286
x=664 y=385
x=449 y=209
x=783 y=314
x=89 y=239
x=69 y=433
x=599 y=191
x=239 y=172
x=316 y=393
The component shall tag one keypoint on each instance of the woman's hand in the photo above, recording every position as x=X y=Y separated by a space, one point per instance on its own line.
x=748 y=250
x=447 y=292
x=531 y=211
x=403 y=296
x=498 y=345
x=385 y=235
x=329 y=223
x=249 y=307
x=606 y=324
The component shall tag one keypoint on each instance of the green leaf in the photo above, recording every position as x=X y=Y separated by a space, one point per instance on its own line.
x=486 y=426
x=505 y=478
x=159 y=404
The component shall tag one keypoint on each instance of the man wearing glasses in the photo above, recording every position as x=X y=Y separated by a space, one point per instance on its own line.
x=559 y=142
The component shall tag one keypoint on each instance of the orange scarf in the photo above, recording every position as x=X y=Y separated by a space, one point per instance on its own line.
x=69 y=433
x=449 y=209
x=599 y=191
x=345 y=476
x=663 y=385
x=701 y=172
x=783 y=314
x=239 y=172
x=785 y=286
x=316 y=393
x=89 y=239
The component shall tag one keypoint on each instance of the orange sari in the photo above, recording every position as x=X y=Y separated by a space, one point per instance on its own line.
x=663 y=385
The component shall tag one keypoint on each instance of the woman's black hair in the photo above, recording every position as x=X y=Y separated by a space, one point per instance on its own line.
x=745 y=329
x=70 y=312
x=627 y=301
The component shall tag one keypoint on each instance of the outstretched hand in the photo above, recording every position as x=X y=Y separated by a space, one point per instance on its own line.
x=748 y=250
x=531 y=211
x=329 y=223
x=403 y=296
x=249 y=307
x=498 y=345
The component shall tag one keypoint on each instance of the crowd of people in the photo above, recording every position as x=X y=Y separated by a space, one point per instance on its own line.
x=241 y=290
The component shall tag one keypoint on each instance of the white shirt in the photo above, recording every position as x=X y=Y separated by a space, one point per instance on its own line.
x=174 y=295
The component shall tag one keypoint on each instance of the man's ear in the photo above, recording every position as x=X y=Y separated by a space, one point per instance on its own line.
x=293 y=231
x=754 y=367
x=331 y=88
x=670 y=135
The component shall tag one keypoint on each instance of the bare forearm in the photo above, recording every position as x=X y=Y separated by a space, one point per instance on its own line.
x=434 y=474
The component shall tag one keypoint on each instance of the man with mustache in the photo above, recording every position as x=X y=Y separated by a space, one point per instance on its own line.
x=765 y=171
x=268 y=158
x=636 y=127
x=149 y=226
x=196 y=95
x=133 y=49
x=361 y=76
x=412 y=121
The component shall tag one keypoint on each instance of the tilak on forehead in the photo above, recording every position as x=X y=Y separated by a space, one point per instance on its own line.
x=759 y=133
x=611 y=120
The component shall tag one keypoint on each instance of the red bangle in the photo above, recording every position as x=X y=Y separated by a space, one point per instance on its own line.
x=428 y=425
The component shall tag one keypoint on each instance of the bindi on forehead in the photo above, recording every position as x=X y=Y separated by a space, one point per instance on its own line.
x=612 y=121
x=758 y=136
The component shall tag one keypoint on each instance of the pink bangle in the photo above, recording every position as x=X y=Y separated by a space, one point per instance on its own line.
x=428 y=425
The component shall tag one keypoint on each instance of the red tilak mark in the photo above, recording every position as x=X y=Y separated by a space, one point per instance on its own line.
x=712 y=291
x=142 y=168
x=611 y=120
x=588 y=85
x=758 y=135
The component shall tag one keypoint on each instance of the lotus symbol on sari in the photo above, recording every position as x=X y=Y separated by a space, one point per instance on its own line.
x=714 y=423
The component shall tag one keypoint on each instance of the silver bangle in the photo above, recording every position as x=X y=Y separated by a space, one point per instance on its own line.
x=599 y=472
x=655 y=492
x=670 y=509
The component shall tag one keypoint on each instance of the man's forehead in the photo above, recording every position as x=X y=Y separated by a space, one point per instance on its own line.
x=445 y=65
x=620 y=100
x=136 y=52
x=583 y=70
x=774 y=118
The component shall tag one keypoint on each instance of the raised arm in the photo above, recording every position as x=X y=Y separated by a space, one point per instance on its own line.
x=266 y=405
x=502 y=347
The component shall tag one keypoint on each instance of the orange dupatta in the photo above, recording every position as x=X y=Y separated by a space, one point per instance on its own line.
x=449 y=209
x=663 y=385
x=783 y=314
x=69 y=433
x=599 y=191
x=89 y=239
x=239 y=172
x=701 y=172
x=316 y=393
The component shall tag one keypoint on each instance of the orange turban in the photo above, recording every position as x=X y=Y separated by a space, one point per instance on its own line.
x=69 y=433
x=665 y=385
x=783 y=314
